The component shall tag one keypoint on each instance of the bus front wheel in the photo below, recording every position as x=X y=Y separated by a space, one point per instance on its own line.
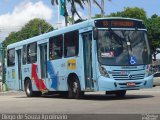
x=74 y=89
x=29 y=91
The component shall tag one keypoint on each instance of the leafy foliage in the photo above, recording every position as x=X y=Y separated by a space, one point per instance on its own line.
x=73 y=8
x=153 y=26
x=135 y=12
x=79 y=2
x=97 y=16
x=32 y=28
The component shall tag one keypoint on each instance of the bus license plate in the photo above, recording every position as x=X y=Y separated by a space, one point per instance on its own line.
x=130 y=84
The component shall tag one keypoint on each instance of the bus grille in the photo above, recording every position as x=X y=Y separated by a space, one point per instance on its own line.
x=129 y=77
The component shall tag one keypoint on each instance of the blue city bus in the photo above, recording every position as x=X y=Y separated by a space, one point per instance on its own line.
x=106 y=54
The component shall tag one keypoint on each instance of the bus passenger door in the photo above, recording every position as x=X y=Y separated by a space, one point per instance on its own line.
x=87 y=57
x=19 y=59
x=43 y=61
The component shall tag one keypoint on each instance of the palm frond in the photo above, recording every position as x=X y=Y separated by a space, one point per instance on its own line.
x=54 y=1
x=79 y=2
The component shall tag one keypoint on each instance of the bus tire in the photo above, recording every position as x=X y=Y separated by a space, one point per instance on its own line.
x=74 y=89
x=29 y=91
x=120 y=93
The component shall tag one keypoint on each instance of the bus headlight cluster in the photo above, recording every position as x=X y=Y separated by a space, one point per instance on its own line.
x=103 y=71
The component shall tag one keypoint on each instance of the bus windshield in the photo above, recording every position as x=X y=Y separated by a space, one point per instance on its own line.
x=123 y=47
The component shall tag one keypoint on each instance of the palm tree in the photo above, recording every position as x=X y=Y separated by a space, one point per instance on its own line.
x=100 y=6
x=73 y=8
x=80 y=3
x=53 y=2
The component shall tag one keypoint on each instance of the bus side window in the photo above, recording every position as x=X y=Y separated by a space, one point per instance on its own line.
x=71 y=44
x=55 y=47
x=11 y=57
x=32 y=53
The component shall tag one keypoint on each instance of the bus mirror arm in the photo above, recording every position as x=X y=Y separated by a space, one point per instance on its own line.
x=95 y=33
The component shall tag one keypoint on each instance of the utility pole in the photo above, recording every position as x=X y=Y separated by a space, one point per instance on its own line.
x=72 y=10
x=89 y=9
x=2 y=51
x=102 y=8
x=58 y=13
x=3 y=64
x=65 y=13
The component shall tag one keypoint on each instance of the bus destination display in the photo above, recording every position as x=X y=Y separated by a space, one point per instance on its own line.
x=106 y=23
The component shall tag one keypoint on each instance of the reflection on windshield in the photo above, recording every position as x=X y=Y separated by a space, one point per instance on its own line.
x=123 y=47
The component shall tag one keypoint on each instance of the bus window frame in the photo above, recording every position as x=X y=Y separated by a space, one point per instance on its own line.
x=65 y=45
x=30 y=62
x=10 y=65
x=24 y=58
x=61 y=47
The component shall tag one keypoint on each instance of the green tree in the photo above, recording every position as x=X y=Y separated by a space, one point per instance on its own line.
x=33 y=28
x=12 y=38
x=97 y=16
x=135 y=12
x=153 y=26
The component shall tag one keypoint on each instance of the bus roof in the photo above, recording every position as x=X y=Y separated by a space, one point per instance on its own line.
x=80 y=25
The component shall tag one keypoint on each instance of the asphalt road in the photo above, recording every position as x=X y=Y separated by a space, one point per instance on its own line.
x=135 y=102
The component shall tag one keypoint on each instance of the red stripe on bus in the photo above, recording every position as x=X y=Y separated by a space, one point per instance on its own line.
x=39 y=82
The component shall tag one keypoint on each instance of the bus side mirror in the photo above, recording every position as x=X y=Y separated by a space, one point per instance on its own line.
x=95 y=34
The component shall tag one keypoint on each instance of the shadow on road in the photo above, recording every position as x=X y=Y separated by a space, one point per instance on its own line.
x=112 y=97
x=98 y=97
x=93 y=97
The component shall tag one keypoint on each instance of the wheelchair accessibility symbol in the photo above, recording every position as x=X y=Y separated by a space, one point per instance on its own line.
x=132 y=60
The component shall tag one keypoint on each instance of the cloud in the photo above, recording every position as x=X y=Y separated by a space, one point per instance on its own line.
x=22 y=13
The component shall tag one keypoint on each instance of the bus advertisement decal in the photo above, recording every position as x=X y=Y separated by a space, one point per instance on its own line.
x=26 y=69
x=38 y=82
x=71 y=64
x=13 y=74
x=52 y=74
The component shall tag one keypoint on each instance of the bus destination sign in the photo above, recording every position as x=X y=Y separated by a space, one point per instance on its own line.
x=121 y=23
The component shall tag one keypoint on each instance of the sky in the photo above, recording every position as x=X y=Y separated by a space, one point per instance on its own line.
x=16 y=13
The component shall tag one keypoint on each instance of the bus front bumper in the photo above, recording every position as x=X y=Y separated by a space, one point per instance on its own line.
x=108 y=84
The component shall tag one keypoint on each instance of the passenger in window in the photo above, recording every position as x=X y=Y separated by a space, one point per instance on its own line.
x=71 y=51
x=51 y=55
x=145 y=55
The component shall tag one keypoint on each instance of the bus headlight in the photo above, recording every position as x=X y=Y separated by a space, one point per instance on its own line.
x=103 y=71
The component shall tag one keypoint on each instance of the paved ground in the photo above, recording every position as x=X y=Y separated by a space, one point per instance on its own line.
x=137 y=101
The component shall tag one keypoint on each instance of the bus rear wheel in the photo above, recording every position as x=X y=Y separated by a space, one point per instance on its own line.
x=74 y=89
x=29 y=91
